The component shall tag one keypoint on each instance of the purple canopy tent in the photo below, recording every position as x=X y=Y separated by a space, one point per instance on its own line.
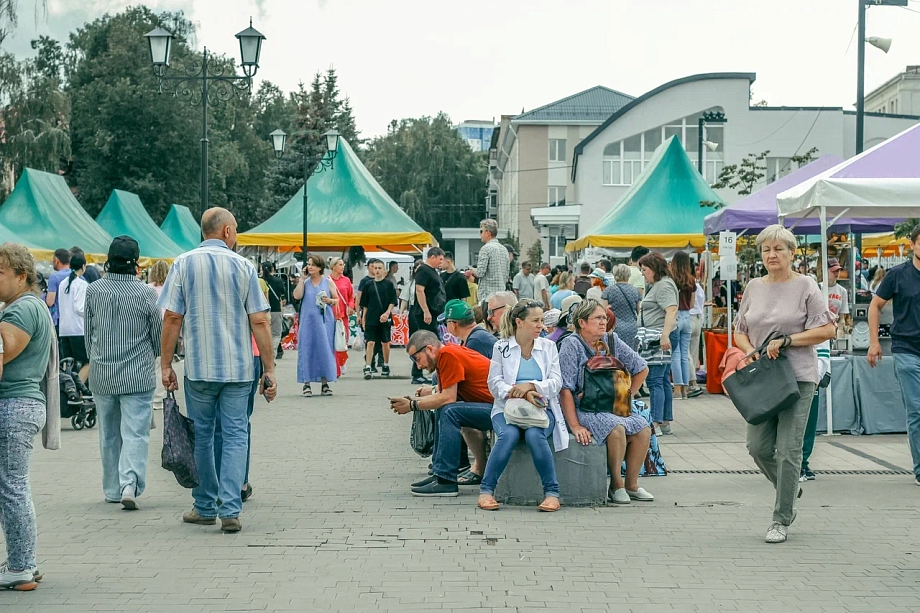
x=757 y=211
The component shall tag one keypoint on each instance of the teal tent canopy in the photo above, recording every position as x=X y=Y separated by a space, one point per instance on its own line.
x=346 y=207
x=43 y=212
x=662 y=208
x=125 y=214
x=181 y=227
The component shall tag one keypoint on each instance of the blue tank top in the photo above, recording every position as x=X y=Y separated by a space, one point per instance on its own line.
x=529 y=370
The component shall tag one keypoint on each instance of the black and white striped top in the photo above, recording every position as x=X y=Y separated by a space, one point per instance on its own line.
x=123 y=326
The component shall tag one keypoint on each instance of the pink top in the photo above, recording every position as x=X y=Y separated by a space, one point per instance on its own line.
x=770 y=309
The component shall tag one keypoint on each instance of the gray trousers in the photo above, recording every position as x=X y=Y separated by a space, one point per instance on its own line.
x=776 y=446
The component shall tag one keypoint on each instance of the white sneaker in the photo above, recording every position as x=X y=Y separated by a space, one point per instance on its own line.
x=640 y=494
x=619 y=496
x=777 y=533
x=23 y=580
x=127 y=498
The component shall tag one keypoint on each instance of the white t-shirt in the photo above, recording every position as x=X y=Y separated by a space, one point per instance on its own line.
x=71 y=306
x=636 y=279
x=540 y=283
x=699 y=299
x=837 y=300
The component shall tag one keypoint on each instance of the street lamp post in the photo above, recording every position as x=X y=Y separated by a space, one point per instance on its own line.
x=706 y=117
x=311 y=165
x=205 y=83
x=861 y=65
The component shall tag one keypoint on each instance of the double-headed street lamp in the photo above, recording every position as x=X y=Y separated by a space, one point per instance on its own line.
x=311 y=165
x=215 y=86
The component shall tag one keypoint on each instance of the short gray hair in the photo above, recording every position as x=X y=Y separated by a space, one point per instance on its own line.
x=490 y=226
x=621 y=273
x=504 y=297
x=778 y=233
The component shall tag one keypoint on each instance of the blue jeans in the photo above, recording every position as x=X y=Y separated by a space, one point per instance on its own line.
x=907 y=369
x=20 y=421
x=218 y=436
x=680 y=349
x=124 y=435
x=449 y=442
x=508 y=438
x=661 y=393
x=209 y=402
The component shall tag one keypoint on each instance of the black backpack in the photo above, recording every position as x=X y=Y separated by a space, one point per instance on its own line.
x=582 y=285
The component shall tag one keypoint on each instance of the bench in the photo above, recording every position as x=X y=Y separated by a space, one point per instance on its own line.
x=581 y=471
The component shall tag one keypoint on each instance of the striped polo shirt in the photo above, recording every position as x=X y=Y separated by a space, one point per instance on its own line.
x=215 y=290
x=122 y=331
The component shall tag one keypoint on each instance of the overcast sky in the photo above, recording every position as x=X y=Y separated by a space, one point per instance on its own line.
x=478 y=59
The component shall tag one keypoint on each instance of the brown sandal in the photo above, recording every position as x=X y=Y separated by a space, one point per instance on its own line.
x=487 y=502
x=550 y=504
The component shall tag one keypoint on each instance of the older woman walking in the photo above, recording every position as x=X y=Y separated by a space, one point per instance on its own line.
x=26 y=338
x=789 y=304
x=344 y=308
x=623 y=299
x=659 y=312
x=316 y=340
x=525 y=366
x=625 y=437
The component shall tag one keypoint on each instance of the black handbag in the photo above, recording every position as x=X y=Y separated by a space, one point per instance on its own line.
x=764 y=388
x=178 y=454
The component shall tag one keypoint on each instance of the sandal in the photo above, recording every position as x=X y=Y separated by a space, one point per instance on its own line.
x=468 y=477
x=325 y=390
x=550 y=504
x=307 y=392
x=487 y=502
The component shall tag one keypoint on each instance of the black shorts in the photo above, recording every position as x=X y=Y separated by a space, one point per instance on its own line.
x=74 y=347
x=377 y=332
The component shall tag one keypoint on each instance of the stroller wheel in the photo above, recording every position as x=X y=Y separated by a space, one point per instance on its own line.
x=77 y=421
x=90 y=420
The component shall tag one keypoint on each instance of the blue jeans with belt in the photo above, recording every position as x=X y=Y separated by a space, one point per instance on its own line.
x=508 y=438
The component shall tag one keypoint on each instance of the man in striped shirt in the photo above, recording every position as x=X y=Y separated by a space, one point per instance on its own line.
x=122 y=332
x=213 y=295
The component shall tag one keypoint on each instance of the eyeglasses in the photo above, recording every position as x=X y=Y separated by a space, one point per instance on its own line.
x=414 y=355
x=492 y=312
x=598 y=318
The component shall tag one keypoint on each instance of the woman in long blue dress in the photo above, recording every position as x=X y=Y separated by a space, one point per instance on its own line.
x=316 y=336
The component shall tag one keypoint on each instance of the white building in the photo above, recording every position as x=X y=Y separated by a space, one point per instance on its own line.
x=477 y=134
x=606 y=162
x=900 y=94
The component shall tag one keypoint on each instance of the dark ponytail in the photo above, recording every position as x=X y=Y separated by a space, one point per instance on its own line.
x=76 y=263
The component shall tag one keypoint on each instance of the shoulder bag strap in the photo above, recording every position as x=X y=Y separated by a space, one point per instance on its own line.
x=633 y=307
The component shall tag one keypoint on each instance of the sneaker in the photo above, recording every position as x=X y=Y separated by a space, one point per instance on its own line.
x=246 y=492
x=231 y=524
x=385 y=370
x=192 y=517
x=777 y=533
x=917 y=481
x=374 y=369
x=808 y=474
x=619 y=496
x=367 y=372
x=424 y=481
x=127 y=498
x=36 y=574
x=435 y=488
x=419 y=381
x=22 y=580
x=693 y=393
x=802 y=477
x=640 y=494
x=665 y=430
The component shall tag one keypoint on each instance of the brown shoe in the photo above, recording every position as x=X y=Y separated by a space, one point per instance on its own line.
x=192 y=517
x=487 y=502
x=231 y=524
x=550 y=504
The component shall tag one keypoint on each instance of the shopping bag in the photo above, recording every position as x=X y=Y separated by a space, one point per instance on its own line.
x=340 y=343
x=178 y=455
x=358 y=343
x=654 y=465
x=764 y=388
x=421 y=438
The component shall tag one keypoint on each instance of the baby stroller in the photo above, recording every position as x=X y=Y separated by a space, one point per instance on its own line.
x=76 y=399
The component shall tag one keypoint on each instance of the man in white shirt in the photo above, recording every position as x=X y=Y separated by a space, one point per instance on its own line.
x=635 y=275
x=524 y=282
x=541 y=285
x=837 y=298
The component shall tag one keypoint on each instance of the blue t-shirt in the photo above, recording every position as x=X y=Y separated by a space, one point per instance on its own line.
x=529 y=370
x=54 y=282
x=559 y=296
x=901 y=285
x=481 y=341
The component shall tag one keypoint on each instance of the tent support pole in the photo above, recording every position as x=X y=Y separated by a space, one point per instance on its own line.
x=797 y=221
x=824 y=291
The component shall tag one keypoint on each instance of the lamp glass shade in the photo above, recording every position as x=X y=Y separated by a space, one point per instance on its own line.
x=278 y=139
x=160 y=43
x=332 y=140
x=250 y=46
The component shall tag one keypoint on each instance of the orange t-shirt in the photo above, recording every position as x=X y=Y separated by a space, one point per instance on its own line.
x=468 y=370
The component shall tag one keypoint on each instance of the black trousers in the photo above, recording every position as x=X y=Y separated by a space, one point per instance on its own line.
x=417 y=322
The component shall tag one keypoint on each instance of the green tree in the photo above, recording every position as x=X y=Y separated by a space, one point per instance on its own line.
x=905 y=227
x=535 y=254
x=742 y=178
x=430 y=171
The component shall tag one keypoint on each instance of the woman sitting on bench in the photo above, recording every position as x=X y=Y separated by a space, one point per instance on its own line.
x=624 y=436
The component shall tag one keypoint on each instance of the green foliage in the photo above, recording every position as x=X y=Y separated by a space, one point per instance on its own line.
x=430 y=171
x=535 y=254
x=742 y=178
x=904 y=228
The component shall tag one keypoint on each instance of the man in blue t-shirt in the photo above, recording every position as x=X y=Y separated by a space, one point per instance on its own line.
x=901 y=285
x=61 y=263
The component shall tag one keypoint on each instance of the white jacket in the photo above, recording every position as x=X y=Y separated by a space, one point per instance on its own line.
x=506 y=360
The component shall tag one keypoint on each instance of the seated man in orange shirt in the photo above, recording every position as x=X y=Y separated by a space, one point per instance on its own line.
x=462 y=399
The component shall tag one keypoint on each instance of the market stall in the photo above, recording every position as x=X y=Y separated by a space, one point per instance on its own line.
x=124 y=214
x=181 y=227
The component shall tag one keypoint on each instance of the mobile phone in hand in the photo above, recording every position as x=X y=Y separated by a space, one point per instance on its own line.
x=266 y=383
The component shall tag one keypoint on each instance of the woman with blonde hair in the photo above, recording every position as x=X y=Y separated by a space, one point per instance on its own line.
x=156 y=278
x=525 y=366
x=344 y=308
x=566 y=289
x=790 y=309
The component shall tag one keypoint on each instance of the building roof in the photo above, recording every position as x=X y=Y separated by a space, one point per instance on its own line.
x=591 y=105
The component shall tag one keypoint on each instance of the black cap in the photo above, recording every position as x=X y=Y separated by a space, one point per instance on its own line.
x=511 y=250
x=124 y=249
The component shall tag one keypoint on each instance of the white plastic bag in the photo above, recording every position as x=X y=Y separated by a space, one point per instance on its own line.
x=358 y=343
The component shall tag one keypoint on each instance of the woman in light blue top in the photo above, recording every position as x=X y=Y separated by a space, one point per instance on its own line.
x=566 y=289
x=525 y=366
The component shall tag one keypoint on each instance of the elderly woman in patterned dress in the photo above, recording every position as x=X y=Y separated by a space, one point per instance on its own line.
x=626 y=437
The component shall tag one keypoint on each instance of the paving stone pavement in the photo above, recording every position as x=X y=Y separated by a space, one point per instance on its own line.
x=332 y=527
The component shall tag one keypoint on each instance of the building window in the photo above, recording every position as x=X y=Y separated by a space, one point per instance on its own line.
x=557 y=150
x=556 y=195
x=777 y=168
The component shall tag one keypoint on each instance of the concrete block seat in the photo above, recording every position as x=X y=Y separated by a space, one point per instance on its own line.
x=581 y=471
